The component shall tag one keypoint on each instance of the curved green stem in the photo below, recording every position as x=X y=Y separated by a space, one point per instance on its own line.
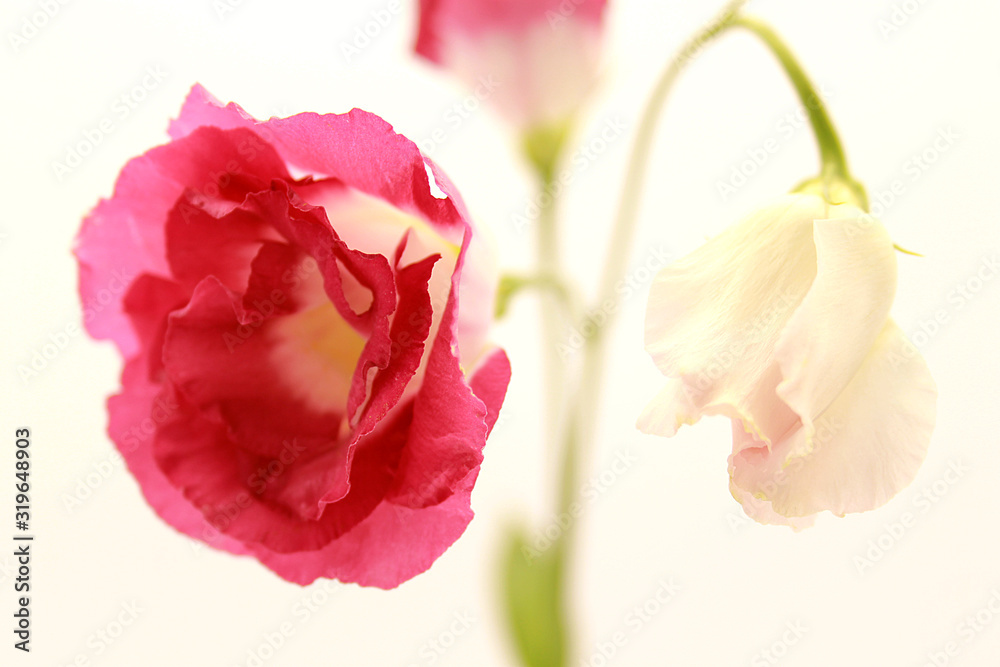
x=833 y=162
x=832 y=157
x=582 y=410
x=834 y=182
x=553 y=305
x=580 y=418
x=512 y=284
x=635 y=174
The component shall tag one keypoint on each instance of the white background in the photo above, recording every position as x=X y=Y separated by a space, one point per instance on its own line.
x=669 y=515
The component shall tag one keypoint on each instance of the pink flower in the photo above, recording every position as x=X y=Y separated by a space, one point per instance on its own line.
x=781 y=323
x=535 y=60
x=301 y=300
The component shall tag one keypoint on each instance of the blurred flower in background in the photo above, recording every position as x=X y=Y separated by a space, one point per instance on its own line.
x=539 y=58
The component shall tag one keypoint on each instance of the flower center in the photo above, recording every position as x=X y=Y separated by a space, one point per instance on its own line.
x=317 y=352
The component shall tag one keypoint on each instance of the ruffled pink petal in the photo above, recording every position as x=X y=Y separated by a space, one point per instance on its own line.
x=143 y=406
x=346 y=493
x=217 y=369
x=411 y=323
x=147 y=303
x=392 y=545
x=370 y=157
x=448 y=430
x=308 y=228
x=397 y=542
x=366 y=154
x=134 y=416
x=489 y=384
x=123 y=237
x=201 y=244
x=230 y=488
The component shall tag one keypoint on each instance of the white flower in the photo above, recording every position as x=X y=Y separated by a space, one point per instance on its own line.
x=781 y=323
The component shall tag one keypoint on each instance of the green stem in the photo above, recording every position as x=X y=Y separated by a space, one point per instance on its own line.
x=581 y=415
x=512 y=284
x=635 y=174
x=833 y=162
x=548 y=264
x=582 y=409
x=832 y=158
x=628 y=206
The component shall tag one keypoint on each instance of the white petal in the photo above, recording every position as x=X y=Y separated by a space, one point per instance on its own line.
x=715 y=316
x=832 y=331
x=762 y=512
x=868 y=443
x=668 y=411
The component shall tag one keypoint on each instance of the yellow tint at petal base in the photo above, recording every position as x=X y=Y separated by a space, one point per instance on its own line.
x=316 y=352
